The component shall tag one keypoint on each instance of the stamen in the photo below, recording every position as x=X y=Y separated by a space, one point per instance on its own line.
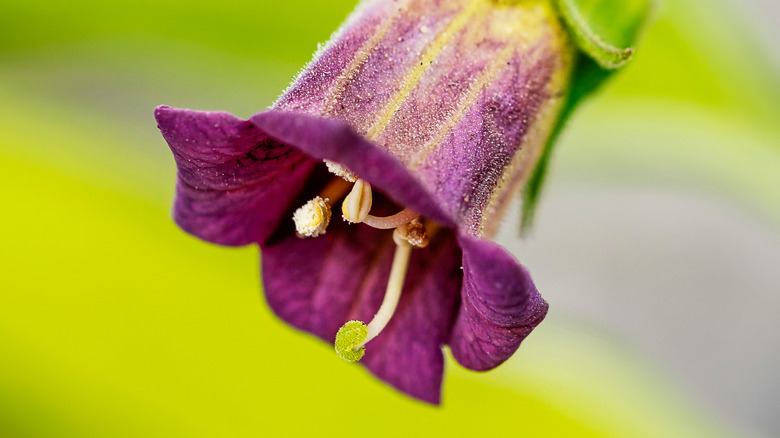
x=339 y=170
x=313 y=218
x=358 y=202
x=354 y=335
x=390 y=222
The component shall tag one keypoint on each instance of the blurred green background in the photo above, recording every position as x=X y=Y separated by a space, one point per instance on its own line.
x=115 y=323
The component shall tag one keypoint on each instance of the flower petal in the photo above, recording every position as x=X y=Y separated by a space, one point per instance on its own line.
x=335 y=140
x=500 y=306
x=408 y=353
x=235 y=182
x=319 y=284
x=315 y=283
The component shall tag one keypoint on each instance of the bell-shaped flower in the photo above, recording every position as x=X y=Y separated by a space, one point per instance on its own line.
x=418 y=122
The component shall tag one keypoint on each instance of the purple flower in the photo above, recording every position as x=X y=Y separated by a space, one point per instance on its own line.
x=435 y=109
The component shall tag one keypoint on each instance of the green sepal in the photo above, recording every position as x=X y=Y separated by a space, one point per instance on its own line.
x=606 y=30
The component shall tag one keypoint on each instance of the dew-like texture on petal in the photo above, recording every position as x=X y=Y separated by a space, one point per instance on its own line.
x=412 y=29
x=500 y=306
x=324 y=75
x=485 y=143
x=463 y=92
x=234 y=182
x=319 y=284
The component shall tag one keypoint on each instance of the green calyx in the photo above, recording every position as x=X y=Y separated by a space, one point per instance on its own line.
x=349 y=336
x=606 y=30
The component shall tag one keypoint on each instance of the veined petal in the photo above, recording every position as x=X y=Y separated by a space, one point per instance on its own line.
x=408 y=354
x=500 y=306
x=234 y=182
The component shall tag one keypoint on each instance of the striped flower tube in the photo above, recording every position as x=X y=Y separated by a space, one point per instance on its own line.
x=420 y=119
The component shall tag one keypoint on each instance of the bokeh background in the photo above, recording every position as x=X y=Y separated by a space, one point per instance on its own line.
x=657 y=244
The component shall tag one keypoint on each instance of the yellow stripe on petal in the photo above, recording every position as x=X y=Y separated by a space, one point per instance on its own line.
x=414 y=76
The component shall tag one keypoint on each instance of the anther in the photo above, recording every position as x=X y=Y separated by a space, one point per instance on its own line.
x=357 y=204
x=413 y=233
x=313 y=218
x=339 y=170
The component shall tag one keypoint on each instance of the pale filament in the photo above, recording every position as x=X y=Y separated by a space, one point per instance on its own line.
x=335 y=190
x=395 y=284
x=408 y=233
x=357 y=207
x=389 y=222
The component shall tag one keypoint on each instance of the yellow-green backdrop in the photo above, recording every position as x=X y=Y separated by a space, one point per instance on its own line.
x=114 y=323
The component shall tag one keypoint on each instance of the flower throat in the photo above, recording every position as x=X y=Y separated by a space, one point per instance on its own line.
x=312 y=220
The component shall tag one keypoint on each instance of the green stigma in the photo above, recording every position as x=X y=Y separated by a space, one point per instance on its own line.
x=349 y=336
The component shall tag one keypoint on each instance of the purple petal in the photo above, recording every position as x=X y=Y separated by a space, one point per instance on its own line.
x=334 y=140
x=464 y=94
x=319 y=284
x=315 y=283
x=500 y=306
x=408 y=354
x=235 y=183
